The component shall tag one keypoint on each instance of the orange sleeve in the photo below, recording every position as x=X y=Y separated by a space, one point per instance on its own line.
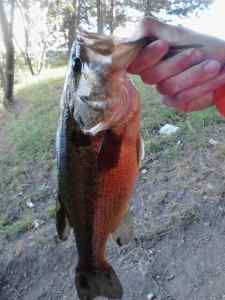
x=219 y=100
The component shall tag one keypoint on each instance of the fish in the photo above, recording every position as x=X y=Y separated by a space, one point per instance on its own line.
x=99 y=149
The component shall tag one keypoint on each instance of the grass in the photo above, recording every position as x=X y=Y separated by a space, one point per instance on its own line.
x=27 y=151
x=52 y=211
x=17 y=227
x=155 y=115
x=33 y=133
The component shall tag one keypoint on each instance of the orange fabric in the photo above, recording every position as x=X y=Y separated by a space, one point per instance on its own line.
x=219 y=100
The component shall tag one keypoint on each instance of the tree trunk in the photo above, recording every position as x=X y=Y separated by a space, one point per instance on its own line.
x=75 y=21
x=111 y=17
x=26 y=24
x=7 y=31
x=3 y=79
x=149 y=8
x=42 y=58
x=100 y=24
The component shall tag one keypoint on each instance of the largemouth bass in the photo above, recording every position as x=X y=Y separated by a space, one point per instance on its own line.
x=98 y=152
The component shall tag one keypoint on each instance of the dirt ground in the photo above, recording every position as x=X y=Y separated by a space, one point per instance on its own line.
x=179 y=247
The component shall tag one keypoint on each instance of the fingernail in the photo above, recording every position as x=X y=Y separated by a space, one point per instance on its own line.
x=160 y=44
x=212 y=66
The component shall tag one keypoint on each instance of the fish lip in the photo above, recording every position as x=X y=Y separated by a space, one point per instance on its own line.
x=93 y=131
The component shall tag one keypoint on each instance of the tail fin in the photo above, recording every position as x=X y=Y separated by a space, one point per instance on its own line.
x=91 y=284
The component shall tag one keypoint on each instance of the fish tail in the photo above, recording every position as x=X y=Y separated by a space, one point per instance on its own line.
x=97 y=283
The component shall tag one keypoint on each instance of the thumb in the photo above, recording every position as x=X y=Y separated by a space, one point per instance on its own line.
x=174 y=35
x=212 y=47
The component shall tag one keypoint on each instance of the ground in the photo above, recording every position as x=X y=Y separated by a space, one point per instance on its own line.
x=178 y=205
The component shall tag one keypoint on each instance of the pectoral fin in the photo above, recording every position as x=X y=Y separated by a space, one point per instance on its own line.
x=62 y=223
x=125 y=231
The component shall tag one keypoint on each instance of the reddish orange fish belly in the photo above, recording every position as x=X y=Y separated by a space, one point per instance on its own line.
x=118 y=169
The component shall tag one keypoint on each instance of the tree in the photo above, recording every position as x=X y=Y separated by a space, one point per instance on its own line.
x=100 y=16
x=170 y=7
x=7 y=32
x=111 y=16
x=35 y=37
x=68 y=16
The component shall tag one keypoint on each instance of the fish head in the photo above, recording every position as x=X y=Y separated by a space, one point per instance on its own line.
x=96 y=81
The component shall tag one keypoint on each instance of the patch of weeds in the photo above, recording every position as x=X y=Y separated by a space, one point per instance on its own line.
x=202 y=119
x=153 y=146
x=155 y=115
x=52 y=211
x=17 y=227
x=33 y=132
x=171 y=153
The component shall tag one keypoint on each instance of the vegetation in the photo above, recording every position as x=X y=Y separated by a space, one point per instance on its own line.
x=17 y=227
x=27 y=156
x=155 y=115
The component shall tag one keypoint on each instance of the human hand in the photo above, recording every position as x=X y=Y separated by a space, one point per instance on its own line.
x=188 y=80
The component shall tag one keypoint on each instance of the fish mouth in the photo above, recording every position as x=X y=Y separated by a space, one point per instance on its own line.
x=90 y=115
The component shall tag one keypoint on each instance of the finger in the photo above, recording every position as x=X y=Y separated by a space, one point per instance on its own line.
x=213 y=48
x=171 y=66
x=175 y=35
x=207 y=87
x=190 y=78
x=189 y=105
x=149 y=56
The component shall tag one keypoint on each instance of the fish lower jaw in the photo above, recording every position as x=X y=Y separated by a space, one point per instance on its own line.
x=96 y=129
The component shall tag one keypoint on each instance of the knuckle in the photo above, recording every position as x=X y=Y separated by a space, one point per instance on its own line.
x=188 y=58
x=167 y=88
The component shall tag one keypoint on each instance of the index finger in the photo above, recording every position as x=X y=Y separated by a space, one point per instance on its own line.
x=149 y=56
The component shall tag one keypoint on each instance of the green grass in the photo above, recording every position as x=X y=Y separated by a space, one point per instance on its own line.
x=33 y=133
x=20 y=226
x=27 y=152
x=30 y=136
x=155 y=115
x=52 y=211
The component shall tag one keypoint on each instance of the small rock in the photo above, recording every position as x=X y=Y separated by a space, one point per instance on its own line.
x=168 y=129
x=29 y=204
x=170 y=277
x=19 y=247
x=210 y=186
x=144 y=171
x=150 y=296
x=213 y=142
x=36 y=224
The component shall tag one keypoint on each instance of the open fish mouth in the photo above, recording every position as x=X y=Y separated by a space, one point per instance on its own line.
x=89 y=115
